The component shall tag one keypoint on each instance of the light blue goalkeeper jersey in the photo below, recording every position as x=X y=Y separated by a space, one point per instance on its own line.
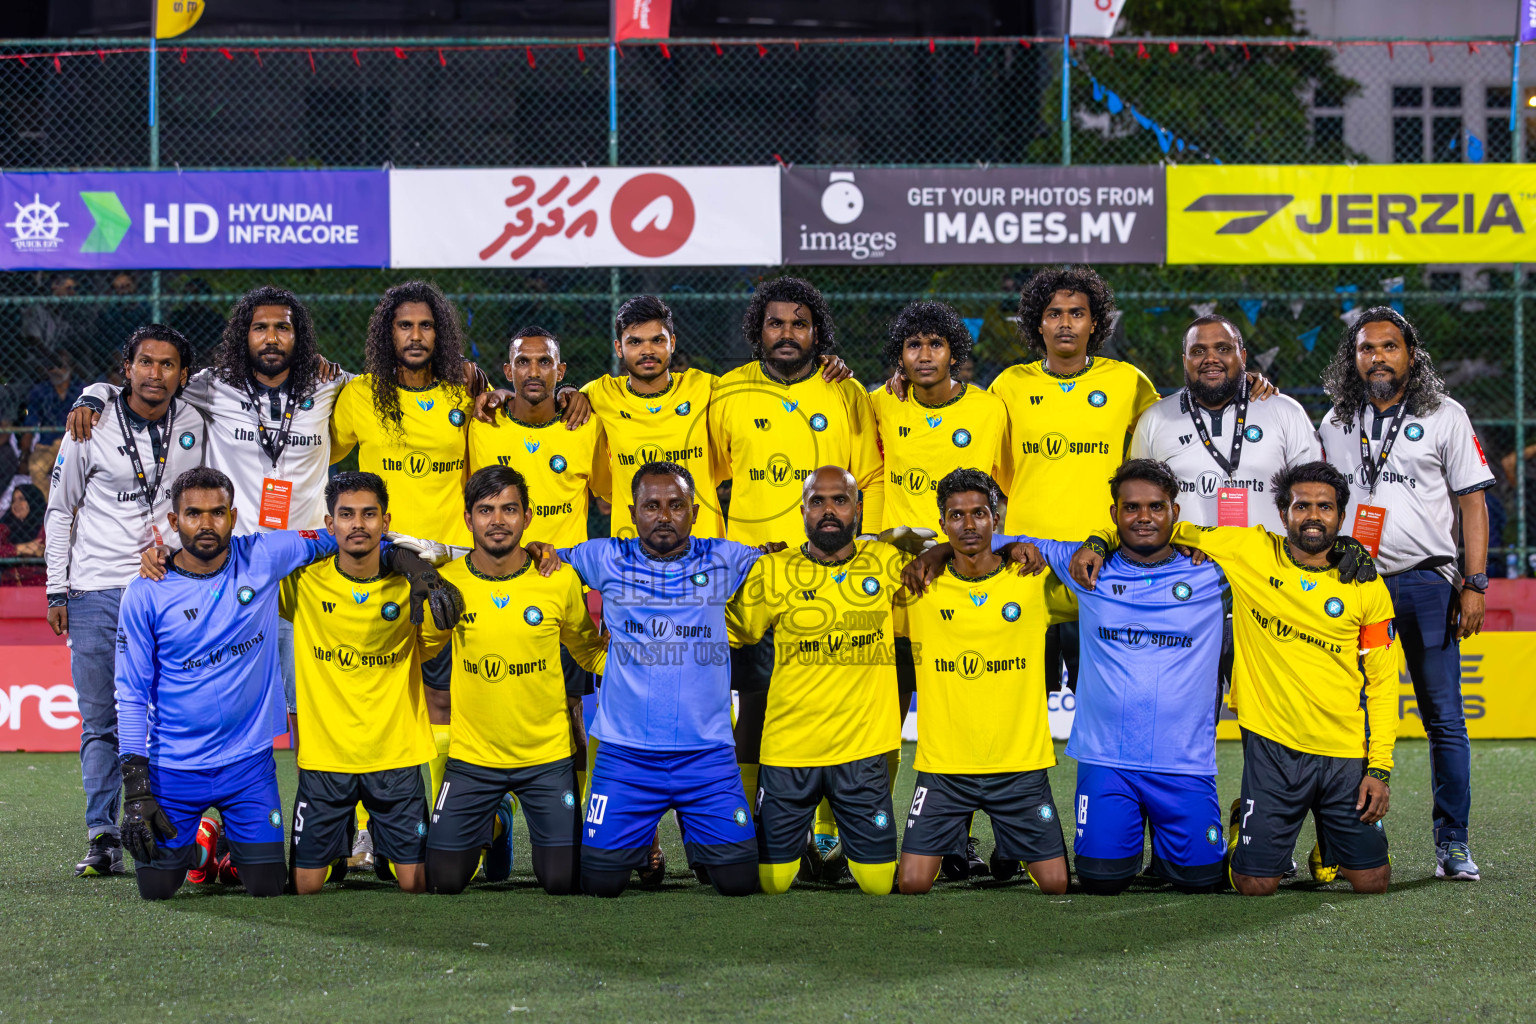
x=1148 y=679
x=668 y=680
x=198 y=679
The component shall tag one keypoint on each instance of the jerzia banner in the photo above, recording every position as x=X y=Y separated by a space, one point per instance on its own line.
x=999 y=215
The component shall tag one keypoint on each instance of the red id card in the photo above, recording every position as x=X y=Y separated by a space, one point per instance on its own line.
x=1232 y=506
x=275 y=498
x=1369 y=520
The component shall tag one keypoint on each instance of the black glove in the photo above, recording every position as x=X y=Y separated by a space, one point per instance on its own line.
x=427 y=587
x=144 y=823
x=1353 y=561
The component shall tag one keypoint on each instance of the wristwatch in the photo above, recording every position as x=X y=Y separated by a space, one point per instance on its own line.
x=1477 y=582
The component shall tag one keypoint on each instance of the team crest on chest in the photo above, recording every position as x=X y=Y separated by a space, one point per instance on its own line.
x=818 y=422
x=390 y=611
x=1097 y=399
x=1253 y=433
x=1181 y=591
x=245 y=595
x=683 y=410
x=557 y=463
x=456 y=417
x=699 y=579
x=532 y=615
x=871 y=586
x=961 y=437
x=187 y=441
x=1414 y=431
x=1334 y=607
x=1011 y=612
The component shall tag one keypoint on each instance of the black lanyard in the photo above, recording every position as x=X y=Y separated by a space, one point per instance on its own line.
x=147 y=491
x=1373 y=470
x=1228 y=465
x=273 y=446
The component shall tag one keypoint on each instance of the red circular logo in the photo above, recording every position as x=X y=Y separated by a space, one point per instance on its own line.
x=652 y=215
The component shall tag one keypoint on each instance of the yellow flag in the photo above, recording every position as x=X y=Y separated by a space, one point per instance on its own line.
x=173 y=17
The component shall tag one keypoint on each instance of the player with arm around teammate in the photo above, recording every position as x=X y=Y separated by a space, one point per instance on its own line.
x=360 y=691
x=513 y=728
x=1312 y=741
x=1148 y=693
x=985 y=744
x=664 y=722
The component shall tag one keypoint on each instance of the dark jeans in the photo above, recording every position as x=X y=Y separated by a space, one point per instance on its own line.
x=1422 y=601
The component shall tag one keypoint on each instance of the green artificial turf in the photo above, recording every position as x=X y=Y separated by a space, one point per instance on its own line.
x=89 y=949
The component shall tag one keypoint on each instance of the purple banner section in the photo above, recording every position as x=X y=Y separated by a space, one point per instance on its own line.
x=136 y=220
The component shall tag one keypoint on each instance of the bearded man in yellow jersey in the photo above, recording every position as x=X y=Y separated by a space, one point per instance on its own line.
x=1313 y=738
x=774 y=421
x=515 y=726
x=358 y=658
x=985 y=741
x=832 y=717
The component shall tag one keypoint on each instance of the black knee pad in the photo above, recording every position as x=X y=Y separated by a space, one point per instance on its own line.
x=738 y=879
x=263 y=879
x=449 y=871
x=604 y=883
x=1105 y=886
x=158 y=883
x=555 y=868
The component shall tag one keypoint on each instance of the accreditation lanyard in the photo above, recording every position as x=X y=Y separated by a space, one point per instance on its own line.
x=273 y=446
x=1228 y=464
x=1373 y=469
x=147 y=490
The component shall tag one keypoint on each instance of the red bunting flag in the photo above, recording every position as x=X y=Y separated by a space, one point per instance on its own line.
x=642 y=19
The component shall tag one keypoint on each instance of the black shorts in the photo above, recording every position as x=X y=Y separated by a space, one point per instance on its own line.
x=323 y=810
x=437 y=671
x=752 y=665
x=1280 y=786
x=466 y=805
x=578 y=681
x=860 y=794
x=1024 y=820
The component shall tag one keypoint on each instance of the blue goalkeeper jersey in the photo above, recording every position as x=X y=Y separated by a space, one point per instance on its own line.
x=1149 y=670
x=668 y=681
x=198 y=678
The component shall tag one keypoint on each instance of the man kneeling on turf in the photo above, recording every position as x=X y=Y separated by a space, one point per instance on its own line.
x=978 y=637
x=1301 y=635
x=511 y=713
x=366 y=733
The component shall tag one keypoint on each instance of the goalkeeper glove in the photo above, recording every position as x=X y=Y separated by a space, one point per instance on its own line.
x=913 y=540
x=1353 y=561
x=434 y=552
x=144 y=823
x=427 y=588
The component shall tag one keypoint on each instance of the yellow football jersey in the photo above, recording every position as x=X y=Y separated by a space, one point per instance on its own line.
x=922 y=445
x=509 y=700
x=423 y=465
x=358 y=665
x=672 y=426
x=1298 y=633
x=978 y=646
x=832 y=698
x=1066 y=437
x=561 y=466
x=772 y=436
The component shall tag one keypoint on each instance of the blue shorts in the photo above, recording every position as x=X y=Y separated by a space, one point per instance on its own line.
x=1114 y=806
x=631 y=789
x=246 y=796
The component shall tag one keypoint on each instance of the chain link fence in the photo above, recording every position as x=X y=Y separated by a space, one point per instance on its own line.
x=345 y=103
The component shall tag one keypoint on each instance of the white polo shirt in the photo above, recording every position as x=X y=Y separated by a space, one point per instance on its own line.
x=1433 y=460
x=1276 y=433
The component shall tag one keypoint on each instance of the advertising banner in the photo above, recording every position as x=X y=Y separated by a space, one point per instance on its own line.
x=998 y=215
x=585 y=217
x=217 y=220
x=1381 y=213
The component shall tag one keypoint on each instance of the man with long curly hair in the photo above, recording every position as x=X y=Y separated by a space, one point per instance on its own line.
x=1418 y=468
x=268 y=397
x=774 y=421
